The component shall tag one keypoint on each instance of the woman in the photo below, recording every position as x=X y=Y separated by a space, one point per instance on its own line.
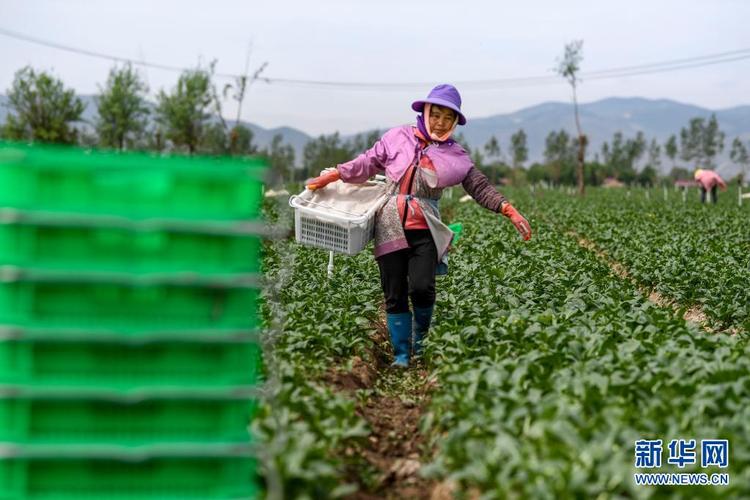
x=411 y=242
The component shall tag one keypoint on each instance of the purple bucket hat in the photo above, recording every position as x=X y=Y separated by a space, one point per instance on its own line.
x=442 y=95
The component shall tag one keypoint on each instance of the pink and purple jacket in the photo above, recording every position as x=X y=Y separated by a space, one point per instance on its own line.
x=393 y=154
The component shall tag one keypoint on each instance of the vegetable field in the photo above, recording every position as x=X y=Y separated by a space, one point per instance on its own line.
x=624 y=318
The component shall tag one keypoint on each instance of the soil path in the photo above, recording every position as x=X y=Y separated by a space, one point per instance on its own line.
x=392 y=401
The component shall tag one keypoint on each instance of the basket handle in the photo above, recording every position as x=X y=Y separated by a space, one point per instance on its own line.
x=325 y=215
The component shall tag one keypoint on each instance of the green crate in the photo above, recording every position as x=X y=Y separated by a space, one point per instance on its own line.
x=155 y=479
x=130 y=184
x=174 y=364
x=104 y=305
x=125 y=393
x=109 y=249
x=131 y=336
x=129 y=278
x=235 y=227
x=82 y=422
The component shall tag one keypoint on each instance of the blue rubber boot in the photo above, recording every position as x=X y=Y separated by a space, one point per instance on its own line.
x=399 y=326
x=422 y=320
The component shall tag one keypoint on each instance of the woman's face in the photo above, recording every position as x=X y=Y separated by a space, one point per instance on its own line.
x=441 y=119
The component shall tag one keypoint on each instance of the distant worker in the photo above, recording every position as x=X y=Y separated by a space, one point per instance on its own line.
x=411 y=242
x=708 y=180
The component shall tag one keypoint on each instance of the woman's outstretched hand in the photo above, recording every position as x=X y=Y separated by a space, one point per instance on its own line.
x=326 y=177
x=518 y=220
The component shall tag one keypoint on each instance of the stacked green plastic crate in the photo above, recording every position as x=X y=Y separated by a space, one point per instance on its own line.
x=129 y=355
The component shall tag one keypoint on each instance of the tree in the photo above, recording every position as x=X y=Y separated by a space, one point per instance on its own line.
x=492 y=148
x=122 y=108
x=41 y=108
x=214 y=140
x=241 y=83
x=538 y=173
x=670 y=148
x=634 y=149
x=490 y=163
x=713 y=141
x=477 y=159
x=363 y=142
x=518 y=176
x=595 y=172
x=280 y=157
x=690 y=141
x=324 y=152
x=622 y=155
x=155 y=139
x=568 y=68
x=654 y=155
x=739 y=155
x=647 y=176
x=183 y=112
x=559 y=154
x=650 y=173
x=519 y=149
x=679 y=174
x=557 y=147
x=701 y=141
x=241 y=141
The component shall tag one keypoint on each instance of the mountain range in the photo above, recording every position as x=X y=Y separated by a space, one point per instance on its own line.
x=656 y=118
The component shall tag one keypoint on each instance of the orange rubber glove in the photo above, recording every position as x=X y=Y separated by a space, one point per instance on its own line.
x=518 y=220
x=324 y=179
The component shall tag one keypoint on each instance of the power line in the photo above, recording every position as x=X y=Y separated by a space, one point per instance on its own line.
x=673 y=67
x=99 y=55
x=688 y=60
x=490 y=84
x=656 y=67
x=505 y=83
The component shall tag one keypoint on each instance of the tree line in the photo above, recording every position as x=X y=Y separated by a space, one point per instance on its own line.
x=189 y=119
x=630 y=160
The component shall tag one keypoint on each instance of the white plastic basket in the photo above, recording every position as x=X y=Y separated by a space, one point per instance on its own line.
x=331 y=227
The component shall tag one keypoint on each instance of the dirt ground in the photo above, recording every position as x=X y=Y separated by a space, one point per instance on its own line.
x=395 y=450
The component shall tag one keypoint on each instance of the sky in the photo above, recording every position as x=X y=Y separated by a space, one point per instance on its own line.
x=387 y=41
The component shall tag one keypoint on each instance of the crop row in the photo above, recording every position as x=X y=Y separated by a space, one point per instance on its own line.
x=692 y=253
x=551 y=366
x=313 y=326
